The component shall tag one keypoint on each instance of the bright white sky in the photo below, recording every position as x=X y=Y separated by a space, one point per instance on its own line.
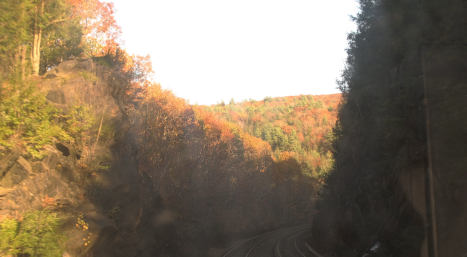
x=209 y=51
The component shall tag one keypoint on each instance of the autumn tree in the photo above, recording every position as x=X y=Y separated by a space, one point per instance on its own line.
x=42 y=33
x=99 y=27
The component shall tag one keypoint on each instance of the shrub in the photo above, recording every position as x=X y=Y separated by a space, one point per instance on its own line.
x=8 y=232
x=36 y=235
x=25 y=114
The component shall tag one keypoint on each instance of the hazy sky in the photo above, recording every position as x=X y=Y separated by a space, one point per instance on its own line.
x=212 y=50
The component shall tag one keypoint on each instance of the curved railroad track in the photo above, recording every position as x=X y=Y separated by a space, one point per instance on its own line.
x=284 y=242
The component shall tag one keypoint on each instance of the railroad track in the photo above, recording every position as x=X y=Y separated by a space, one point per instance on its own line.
x=285 y=242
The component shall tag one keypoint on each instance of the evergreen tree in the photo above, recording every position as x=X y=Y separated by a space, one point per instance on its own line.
x=15 y=20
x=380 y=134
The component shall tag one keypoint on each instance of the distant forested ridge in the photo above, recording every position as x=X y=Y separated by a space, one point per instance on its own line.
x=298 y=127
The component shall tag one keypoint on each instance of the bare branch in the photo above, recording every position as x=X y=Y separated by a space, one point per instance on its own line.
x=56 y=21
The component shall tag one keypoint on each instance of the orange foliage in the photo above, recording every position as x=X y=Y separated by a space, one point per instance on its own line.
x=214 y=126
x=300 y=136
x=99 y=25
x=283 y=156
x=287 y=129
x=303 y=120
x=255 y=147
x=48 y=201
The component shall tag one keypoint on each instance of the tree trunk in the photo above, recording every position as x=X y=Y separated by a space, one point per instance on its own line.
x=36 y=51
x=23 y=61
x=37 y=37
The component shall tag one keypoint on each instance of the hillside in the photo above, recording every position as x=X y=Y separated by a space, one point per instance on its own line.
x=298 y=127
x=132 y=164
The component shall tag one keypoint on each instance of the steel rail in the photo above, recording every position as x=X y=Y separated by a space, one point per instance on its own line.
x=276 y=235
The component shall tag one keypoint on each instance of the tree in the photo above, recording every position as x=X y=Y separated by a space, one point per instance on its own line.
x=56 y=17
x=380 y=135
x=15 y=20
x=100 y=28
x=46 y=15
x=41 y=33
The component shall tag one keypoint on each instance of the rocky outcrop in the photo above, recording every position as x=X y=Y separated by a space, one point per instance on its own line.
x=80 y=82
x=70 y=172
x=30 y=185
